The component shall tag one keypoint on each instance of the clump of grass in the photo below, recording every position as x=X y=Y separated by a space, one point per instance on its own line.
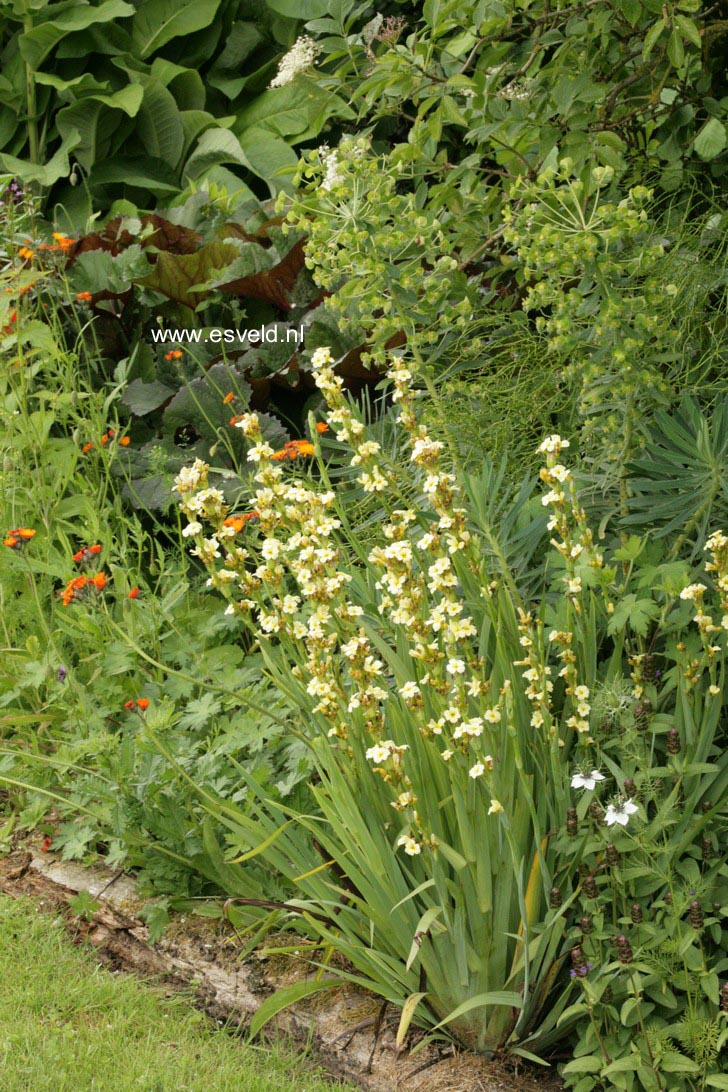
x=67 y=1024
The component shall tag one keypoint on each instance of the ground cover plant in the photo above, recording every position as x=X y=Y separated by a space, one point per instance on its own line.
x=461 y=719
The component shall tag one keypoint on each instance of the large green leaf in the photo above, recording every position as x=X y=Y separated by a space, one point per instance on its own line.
x=36 y=44
x=215 y=146
x=286 y=996
x=266 y=155
x=227 y=73
x=143 y=172
x=185 y=83
x=160 y=128
x=87 y=116
x=48 y=173
x=712 y=139
x=158 y=21
x=301 y=9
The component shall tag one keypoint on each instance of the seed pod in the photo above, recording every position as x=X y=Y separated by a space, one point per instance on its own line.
x=724 y=997
x=572 y=823
x=613 y=855
x=636 y=913
x=696 y=916
x=630 y=789
x=586 y=925
x=596 y=811
x=707 y=849
x=583 y=869
x=589 y=887
x=673 y=742
x=555 y=899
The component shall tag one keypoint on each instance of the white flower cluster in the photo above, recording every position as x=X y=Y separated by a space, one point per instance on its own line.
x=300 y=56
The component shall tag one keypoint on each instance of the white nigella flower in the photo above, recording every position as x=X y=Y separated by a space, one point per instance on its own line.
x=620 y=814
x=300 y=56
x=587 y=780
x=477 y=770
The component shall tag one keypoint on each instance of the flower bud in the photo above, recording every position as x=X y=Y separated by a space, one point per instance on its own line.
x=613 y=855
x=636 y=913
x=696 y=916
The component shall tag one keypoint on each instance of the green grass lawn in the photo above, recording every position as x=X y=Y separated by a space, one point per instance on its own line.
x=68 y=1024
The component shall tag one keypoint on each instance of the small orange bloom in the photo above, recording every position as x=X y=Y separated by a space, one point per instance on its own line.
x=72 y=588
x=293 y=449
x=174 y=354
x=234 y=420
x=124 y=441
x=25 y=253
x=46 y=845
x=128 y=704
x=321 y=427
x=26 y=533
x=95 y=549
x=228 y=398
x=134 y=593
x=99 y=581
x=63 y=241
x=105 y=439
x=11 y=541
x=86 y=448
x=85 y=297
x=143 y=703
x=239 y=521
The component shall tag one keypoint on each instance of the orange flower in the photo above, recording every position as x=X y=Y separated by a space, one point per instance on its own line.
x=18 y=537
x=128 y=704
x=143 y=703
x=99 y=581
x=238 y=522
x=105 y=439
x=124 y=441
x=72 y=588
x=25 y=253
x=321 y=427
x=134 y=593
x=46 y=845
x=174 y=354
x=228 y=398
x=86 y=552
x=234 y=420
x=63 y=241
x=85 y=297
x=293 y=449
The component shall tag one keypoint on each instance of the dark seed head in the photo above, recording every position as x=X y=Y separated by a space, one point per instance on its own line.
x=572 y=823
x=696 y=916
x=586 y=924
x=613 y=855
x=673 y=742
x=589 y=887
x=630 y=789
x=707 y=849
x=636 y=913
x=555 y=899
